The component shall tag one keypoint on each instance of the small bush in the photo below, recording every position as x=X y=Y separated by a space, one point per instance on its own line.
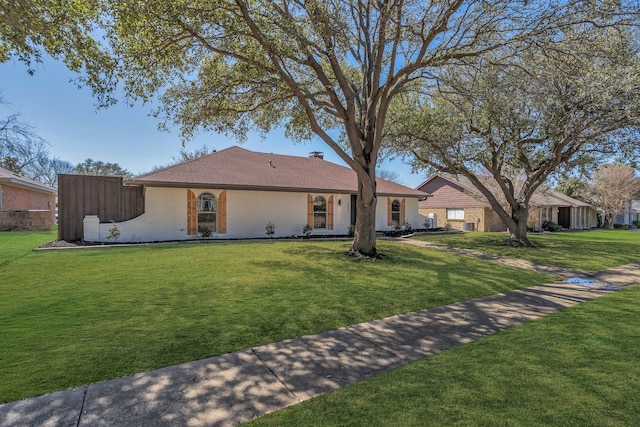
x=352 y=230
x=306 y=230
x=636 y=223
x=204 y=231
x=114 y=232
x=270 y=229
x=621 y=226
x=550 y=226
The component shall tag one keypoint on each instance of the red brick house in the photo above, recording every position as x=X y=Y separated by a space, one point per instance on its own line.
x=25 y=204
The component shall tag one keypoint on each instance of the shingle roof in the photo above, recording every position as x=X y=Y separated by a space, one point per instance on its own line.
x=6 y=176
x=238 y=168
x=544 y=196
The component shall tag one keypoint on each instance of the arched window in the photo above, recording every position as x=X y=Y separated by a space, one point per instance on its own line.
x=319 y=212
x=207 y=209
x=395 y=212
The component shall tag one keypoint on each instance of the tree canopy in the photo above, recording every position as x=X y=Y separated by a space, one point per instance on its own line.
x=93 y=167
x=565 y=102
x=613 y=186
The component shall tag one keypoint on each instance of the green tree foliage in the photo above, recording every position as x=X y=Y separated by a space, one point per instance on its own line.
x=92 y=167
x=573 y=187
x=572 y=98
x=63 y=29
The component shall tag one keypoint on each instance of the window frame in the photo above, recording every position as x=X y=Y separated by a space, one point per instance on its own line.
x=396 y=213
x=213 y=210
x=317 y=213
x=455 y=217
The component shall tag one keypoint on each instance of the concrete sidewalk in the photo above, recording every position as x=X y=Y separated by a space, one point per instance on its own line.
x=230 y=389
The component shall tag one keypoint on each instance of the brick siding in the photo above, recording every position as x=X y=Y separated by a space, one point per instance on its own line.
x=26 y=209
x=25 y=220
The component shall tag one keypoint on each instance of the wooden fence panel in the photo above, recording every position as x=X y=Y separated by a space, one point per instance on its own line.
x=105 y=196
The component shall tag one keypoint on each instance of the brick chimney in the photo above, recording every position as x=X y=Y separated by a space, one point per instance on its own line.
x=317 y=154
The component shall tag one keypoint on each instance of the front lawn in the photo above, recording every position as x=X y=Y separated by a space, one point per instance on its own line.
x=589 y=250
x=72 y=317
x=16 y=244
x=578 y=367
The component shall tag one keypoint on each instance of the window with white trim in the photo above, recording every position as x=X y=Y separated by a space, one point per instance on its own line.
x=395 y=212
x=207 y=210
x=455 y=213
x=319 y=212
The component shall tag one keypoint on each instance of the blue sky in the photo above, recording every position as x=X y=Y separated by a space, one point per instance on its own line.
x=66 y=118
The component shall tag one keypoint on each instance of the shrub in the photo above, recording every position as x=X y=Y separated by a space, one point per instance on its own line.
x=204 y=231
x=621 y=226
x=114 y=232
x=636 y=223
x=270 y=229
x=550 y=226
x=306 y=230
x=352 y=230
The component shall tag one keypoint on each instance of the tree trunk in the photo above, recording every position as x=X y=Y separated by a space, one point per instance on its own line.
x=518 y=227
x=364 y=238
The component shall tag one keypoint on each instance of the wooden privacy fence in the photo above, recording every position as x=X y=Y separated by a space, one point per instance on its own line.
x=105 y=196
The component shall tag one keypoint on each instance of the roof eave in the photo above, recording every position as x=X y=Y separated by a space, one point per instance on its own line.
x=29 y=185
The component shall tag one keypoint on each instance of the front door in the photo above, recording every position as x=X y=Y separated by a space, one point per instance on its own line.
x=564 y=217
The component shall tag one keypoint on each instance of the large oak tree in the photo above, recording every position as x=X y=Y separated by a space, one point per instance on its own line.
x=323 y=68
x=568 y=100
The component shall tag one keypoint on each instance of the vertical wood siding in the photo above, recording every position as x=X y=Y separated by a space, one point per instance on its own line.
x=105 y=196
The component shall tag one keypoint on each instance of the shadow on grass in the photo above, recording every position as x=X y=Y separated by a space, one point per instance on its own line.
x=237 y=387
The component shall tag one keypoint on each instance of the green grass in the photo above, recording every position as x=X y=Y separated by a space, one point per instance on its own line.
x=72 y=317
x=16 y=244
x=578 y=367
x=591 y=250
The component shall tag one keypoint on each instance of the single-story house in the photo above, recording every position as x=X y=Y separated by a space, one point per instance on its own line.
x=456 y=201
x=230 y=194
x=630 y=214
x=25 y=204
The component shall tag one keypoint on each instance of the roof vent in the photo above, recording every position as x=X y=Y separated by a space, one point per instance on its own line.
x=316 y=154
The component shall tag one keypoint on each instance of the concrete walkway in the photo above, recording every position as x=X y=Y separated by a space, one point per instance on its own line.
x=230 y=389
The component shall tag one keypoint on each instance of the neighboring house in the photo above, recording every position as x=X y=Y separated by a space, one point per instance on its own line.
x=630 y=214
x=551 y=205
x=455 y=200
x=25 y=204
x=230 y=194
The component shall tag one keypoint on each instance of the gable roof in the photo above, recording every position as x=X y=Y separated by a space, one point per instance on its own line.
x=9 y=177
x=238 y=168
x=544 y=196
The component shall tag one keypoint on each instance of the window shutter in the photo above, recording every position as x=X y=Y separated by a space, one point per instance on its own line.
x=192 y=214
x=389 y=211
x=330 y=213
x=222 y=212
x=403 y=219
x=310 y=210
